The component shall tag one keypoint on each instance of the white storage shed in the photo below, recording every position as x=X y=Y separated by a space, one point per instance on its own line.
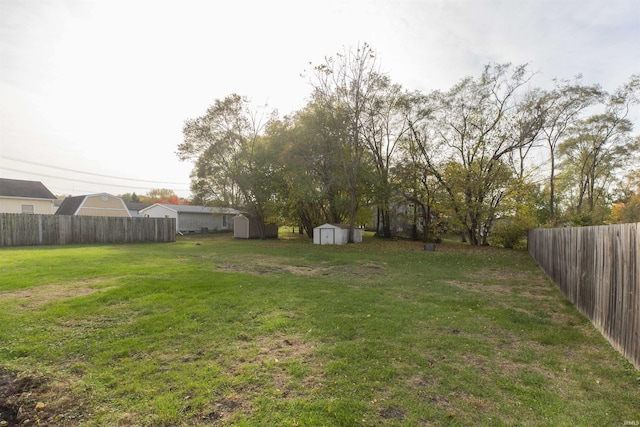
x=335 y=234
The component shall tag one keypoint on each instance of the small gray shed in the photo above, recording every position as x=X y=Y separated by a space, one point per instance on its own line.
x=245 y=227
x=335 y=234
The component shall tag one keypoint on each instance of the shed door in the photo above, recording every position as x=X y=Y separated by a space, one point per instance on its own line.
x=327 y=236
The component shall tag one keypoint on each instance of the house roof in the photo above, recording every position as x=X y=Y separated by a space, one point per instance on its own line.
x=24 y=189
x=197 y=209
x=136 y=206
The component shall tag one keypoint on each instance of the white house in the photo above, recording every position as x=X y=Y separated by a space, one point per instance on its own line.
x=193 y=219
x=335 y=234
x=19 y=196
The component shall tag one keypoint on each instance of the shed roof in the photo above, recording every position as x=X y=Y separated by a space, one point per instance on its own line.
x=327 y=225
x=24 y=189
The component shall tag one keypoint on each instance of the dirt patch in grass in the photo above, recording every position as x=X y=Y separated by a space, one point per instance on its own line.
x=480 y=405
x=274 y=266
x=270 y=265
x=392 y=412
x=501 y=289
x=36 y=400
x=541 y=298
x=514 y=278
x=226 y=408
x=35 y=297
x=276 y=354
x=281 y=348
x=277 y=366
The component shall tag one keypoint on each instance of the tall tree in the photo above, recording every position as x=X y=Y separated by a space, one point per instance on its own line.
x=412 y=176
x=231 y=153
x=348 y=84
x=385 y=126
x=562 y=107
x=130 y=197
x=467 y=144
x=315 y=176
x=597 y=148
x=414 y=180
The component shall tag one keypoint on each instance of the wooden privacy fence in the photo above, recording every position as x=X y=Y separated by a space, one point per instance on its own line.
x=29 y=230
x=598 y=270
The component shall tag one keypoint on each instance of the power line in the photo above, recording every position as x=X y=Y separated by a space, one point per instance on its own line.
x=83 y=181
x=87 y=173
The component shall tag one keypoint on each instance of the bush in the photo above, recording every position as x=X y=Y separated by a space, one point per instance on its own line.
x=510 y=233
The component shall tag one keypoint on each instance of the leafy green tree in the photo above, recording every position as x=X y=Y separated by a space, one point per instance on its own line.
x=627 y=207
x=466 y=141
x=597 y=148
x=234 y=162
x=562 y=107
x=349 y=84
x=320 y=134
x=413 y=180
x=385 y=127
x=314 y=182
x=130 y=197
x=517 y=214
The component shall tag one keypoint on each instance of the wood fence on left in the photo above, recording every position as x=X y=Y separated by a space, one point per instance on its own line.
x=33 y=230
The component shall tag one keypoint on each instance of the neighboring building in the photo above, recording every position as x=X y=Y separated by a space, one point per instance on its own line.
x=135 y=208
x=18 y=196
x=101 y=204
x=335 y=234
x=247 y=228
x=193 y=219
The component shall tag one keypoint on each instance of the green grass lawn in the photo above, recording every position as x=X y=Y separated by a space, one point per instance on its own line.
x=215 y=331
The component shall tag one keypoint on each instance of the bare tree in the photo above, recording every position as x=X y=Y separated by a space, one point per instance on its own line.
x=349 y=84
x=562 y=108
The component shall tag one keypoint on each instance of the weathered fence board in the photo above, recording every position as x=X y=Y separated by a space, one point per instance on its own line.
x=598 y=270
x=31 y=230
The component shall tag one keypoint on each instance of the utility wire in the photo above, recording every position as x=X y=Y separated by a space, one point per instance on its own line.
x=83 y=181
x=86 y=173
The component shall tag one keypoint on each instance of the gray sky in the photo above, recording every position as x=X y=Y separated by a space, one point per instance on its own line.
x=104 y=87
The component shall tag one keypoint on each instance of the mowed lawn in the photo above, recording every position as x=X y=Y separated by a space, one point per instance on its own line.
x=215 y=331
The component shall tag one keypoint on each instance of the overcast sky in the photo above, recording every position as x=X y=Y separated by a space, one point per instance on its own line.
x=104 y=87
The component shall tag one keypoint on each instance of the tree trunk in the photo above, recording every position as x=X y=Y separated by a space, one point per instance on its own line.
x=352 y=216
x=386 y=223
x=262 y=228
x=425 y=223
x=472 y=229
x=306 y=222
